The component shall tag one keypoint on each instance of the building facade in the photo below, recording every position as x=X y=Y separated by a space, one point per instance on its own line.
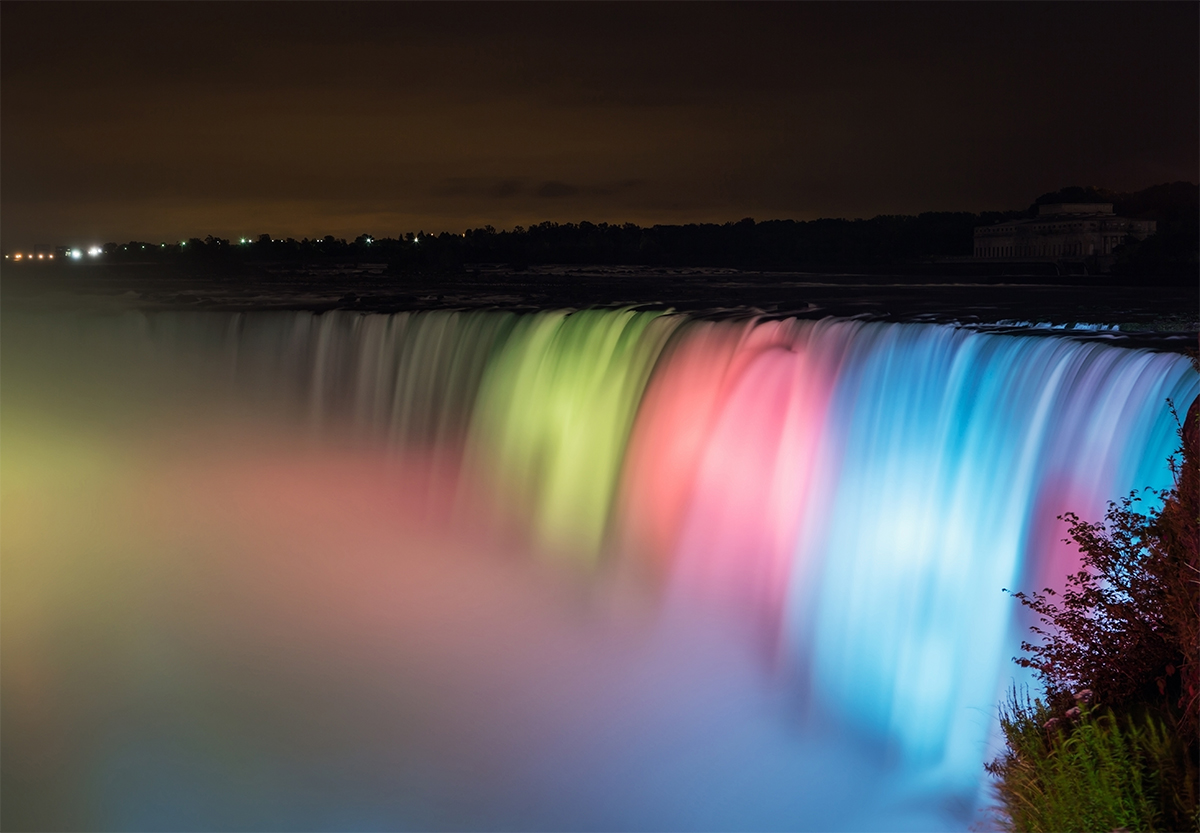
x=1061 y=231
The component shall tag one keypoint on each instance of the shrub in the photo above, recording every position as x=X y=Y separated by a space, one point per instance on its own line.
x=1126 y=626
x=1114 y=744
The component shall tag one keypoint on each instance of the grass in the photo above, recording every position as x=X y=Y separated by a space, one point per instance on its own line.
x=1098 y=772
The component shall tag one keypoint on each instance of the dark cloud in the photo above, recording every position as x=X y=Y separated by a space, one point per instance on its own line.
x=555 y=189
x=481 y=187
x=504 y=190
x=168 y=120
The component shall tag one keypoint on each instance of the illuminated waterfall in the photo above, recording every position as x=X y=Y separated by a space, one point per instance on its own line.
x=858 y=494
x=554 y=414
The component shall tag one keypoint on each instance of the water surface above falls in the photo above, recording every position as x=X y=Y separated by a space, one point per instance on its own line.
x=1157 y=317
x=609 y=569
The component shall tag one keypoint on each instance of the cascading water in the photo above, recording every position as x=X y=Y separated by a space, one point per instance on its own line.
x=856 y=494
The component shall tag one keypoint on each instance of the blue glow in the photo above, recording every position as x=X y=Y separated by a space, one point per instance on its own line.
x=955 y=448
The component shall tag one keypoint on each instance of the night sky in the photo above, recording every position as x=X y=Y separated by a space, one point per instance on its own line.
x=165 y=121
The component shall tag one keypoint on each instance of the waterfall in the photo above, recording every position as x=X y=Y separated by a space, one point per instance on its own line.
x=863 y=492
x=857 y=494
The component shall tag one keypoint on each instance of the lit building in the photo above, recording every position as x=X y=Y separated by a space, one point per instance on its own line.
x=1061 y=231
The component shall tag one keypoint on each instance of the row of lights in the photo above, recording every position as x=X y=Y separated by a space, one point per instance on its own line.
x=74 y=254
x=96 y=251
x=30 y=256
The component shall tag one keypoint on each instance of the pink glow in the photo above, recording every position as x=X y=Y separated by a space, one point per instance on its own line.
x=675 y=421
x=738 y=543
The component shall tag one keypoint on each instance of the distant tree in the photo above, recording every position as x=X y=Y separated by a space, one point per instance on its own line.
x=1076 y=194
x=1173 y=251
x=1166 y=203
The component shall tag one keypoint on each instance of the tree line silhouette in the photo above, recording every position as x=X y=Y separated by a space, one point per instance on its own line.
x=882 y=244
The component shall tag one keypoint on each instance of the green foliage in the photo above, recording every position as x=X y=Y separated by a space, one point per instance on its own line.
x=1096 y=771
